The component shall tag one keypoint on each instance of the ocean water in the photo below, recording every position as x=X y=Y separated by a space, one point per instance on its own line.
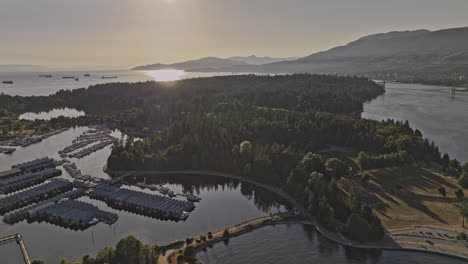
x=439 y=115
x=29 y=83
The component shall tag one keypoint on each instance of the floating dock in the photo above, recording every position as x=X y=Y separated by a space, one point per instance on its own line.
x=142 y=203
x=34 y=195
x=37 y=164
x=22 y=214
x=71 y=214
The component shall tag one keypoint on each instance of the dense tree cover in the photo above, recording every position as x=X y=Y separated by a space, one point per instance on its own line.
x=11 y=126
x=212 y=141
x=149 y=103
x=129 y=250
x=459 y=194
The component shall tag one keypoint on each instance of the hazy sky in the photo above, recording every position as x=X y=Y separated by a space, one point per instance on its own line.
x=134 y=32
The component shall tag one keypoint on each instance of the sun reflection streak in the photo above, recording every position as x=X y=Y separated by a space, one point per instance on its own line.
x=166 y=75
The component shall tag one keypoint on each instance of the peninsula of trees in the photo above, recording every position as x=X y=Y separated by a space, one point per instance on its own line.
x=267 y=128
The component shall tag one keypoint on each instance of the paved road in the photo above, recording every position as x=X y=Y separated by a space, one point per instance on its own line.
x=431 y=239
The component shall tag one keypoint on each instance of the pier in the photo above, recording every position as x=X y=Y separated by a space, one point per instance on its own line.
x=18 y=238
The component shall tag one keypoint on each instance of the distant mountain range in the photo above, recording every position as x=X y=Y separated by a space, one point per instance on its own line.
x=419 y=51
x=213 y=63
x=21 y=67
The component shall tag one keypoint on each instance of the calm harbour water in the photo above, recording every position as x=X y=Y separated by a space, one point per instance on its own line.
x=299 y=244
x=29 y=83
x=433 y=110
x=224 y=203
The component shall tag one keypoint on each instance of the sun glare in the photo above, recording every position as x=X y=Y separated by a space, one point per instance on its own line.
x=166 y=75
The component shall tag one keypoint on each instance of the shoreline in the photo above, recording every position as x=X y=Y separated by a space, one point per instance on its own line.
x=310 y=220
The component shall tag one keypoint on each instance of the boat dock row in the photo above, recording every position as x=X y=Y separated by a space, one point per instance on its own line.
x=99 y=135
x=143 y=203
x=72 y=214
x=16 y=183
x=86 y=151
x=34 y=165
x=22 y=214
x=34 y=195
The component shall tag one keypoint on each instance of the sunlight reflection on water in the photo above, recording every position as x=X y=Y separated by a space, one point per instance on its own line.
x=166 y=75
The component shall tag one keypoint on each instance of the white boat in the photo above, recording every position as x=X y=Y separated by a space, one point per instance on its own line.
x=93 y=222
x=193 y=198
x=164 y=190
x=183 y=215
x=153 y=187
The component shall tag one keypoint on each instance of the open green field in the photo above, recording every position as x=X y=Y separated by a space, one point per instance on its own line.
x=407 y=197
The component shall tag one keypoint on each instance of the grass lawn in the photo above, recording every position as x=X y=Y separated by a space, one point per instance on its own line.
x=405 y=197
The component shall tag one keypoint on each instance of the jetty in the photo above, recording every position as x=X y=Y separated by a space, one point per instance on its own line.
x=18 y=238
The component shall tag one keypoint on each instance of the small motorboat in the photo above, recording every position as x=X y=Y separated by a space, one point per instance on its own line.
x=164 y=190
x=193 y=198
x=8 y=82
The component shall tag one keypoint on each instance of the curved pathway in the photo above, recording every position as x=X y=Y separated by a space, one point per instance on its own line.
x=391 y=241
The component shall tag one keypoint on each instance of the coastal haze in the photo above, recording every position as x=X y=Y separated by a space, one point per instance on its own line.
x=216 y=131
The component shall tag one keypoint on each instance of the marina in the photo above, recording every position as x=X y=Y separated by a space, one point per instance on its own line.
x=73 y=243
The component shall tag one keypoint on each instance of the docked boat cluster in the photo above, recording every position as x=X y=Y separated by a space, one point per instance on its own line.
x=142 y=203
x=90 y=141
